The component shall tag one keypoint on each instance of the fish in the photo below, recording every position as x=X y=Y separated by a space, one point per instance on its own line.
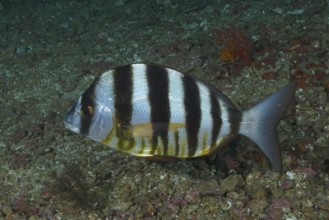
x=152 y=111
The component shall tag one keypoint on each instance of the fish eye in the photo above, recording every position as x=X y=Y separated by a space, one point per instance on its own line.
x=87 y=111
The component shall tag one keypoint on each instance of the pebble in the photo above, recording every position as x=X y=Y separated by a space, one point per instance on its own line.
x=260 y=193
x=208 y=187
x=8 y=212
x=275 y=213
x=326 y=129
x=258 y=205
x=253 y=178
x=192 y=197
x=281 y=203
x=307 y=203
x=286 y=184
x=231 y=182
x=323 y=204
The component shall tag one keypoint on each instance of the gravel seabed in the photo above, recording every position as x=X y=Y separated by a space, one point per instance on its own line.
x=50 y=51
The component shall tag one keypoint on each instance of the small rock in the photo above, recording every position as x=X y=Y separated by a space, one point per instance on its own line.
x=326 y=127
x=286 y=184
x=307 y=203
x=258 y=205
x=306 y=170
x=173 y=207
x=303 y=145
x=323 y=204
x=260 y=193
x=7 y=211
x=275 y=213
x=253 y=178
x=209 y=187
x=192 y=197
x=231 y=182
x=233 y=195
x=281 y=203
x=151 y=210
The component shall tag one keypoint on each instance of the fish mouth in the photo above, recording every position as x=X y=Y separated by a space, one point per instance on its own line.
x=68 y=121
x=69 y=126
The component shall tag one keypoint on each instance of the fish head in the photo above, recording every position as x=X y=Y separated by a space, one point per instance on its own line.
x=92 y=114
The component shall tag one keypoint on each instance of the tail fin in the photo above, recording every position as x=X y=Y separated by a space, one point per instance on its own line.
x=259 y=123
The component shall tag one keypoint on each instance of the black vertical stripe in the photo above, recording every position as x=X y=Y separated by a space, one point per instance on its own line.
x=158 y=83
x=123 y=86
x=176 y=138
x=87 y=106
x=235 y=117
x=193 y=112
x=216 y=118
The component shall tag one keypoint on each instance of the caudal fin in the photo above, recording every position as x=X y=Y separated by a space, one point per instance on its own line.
x=260 y=121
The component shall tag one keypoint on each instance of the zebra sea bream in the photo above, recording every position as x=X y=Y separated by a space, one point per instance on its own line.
x=153 y=111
